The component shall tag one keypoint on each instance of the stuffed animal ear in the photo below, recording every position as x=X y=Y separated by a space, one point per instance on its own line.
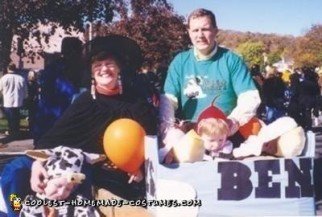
x=41 y=155
x=291 y=144
x=190 y=148
x=277 y=128
x=93 y=158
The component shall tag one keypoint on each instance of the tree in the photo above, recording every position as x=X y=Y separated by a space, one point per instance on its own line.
x=307 y=50
x=154 y=26
x=274 y=57
x=314 y=44
x=21 y=17
x=274 y=46
x=252 y=52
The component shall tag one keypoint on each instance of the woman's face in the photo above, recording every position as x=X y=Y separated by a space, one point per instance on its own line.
x=105 y=72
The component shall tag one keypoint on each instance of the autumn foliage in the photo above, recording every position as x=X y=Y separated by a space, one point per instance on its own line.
x=154 y=24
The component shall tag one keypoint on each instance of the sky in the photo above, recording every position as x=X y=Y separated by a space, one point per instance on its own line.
x=283 y=17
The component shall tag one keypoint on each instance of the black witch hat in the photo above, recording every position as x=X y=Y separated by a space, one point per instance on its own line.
x=126 y=49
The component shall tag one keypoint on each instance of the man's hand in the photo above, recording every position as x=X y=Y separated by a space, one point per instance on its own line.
x=38 y=176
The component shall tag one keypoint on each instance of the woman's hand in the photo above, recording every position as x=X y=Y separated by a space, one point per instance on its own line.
x=38 y=176
x=136 y=176
x=58 y=188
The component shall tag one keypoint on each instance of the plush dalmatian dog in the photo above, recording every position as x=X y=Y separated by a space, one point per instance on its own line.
x=61 y=162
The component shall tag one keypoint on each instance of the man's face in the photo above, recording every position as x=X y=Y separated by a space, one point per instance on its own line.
x=202 y=34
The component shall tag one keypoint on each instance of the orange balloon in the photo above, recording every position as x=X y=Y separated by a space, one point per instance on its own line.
x=124 y=144
x=251 y=128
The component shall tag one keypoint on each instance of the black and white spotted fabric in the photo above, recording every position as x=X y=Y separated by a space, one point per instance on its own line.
x=61 y=161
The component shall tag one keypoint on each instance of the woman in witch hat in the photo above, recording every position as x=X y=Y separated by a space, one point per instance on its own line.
x=113 y=61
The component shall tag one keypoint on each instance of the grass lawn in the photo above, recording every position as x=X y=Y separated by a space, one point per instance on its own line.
x=4 y=124
x=23 y=121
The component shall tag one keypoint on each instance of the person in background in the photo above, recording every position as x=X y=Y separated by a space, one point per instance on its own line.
x=32 y=99
x=161 y=69
x=60 y=83
x=273 y=93
x=147 y=78
x=309 y=91
x=206 y=70
x=259 y=81
x=293 y=109
x=257 y=76
x=286 y=76
x=148 y=72
x=14 y=90
x=319 y=72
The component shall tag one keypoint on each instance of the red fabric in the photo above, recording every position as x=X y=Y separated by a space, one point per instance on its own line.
x=212 y=112
x=108 y=92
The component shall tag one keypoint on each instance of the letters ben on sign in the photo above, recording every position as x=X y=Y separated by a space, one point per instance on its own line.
x=254 y=186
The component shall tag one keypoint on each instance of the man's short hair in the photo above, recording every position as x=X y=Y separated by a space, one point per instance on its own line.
x=12 y=67
x=201 y=12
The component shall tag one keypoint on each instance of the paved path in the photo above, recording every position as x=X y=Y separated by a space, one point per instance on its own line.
x=17 y=147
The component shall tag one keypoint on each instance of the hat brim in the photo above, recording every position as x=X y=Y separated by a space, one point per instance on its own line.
x=125 y=48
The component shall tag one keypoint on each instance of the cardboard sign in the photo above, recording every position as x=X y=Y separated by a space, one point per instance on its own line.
x=254 y=186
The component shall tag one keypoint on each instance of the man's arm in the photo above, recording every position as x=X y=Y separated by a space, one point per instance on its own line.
x=247 y=104
x=248 y=98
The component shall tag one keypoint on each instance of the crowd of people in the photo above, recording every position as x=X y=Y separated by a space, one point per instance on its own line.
x=75 y=98
x=295 y=93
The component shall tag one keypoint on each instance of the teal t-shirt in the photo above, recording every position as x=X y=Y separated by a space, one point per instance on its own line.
x=225 y=74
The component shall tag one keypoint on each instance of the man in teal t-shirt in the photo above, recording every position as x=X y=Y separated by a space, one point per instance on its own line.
x=195 y=77
x=195 y=83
